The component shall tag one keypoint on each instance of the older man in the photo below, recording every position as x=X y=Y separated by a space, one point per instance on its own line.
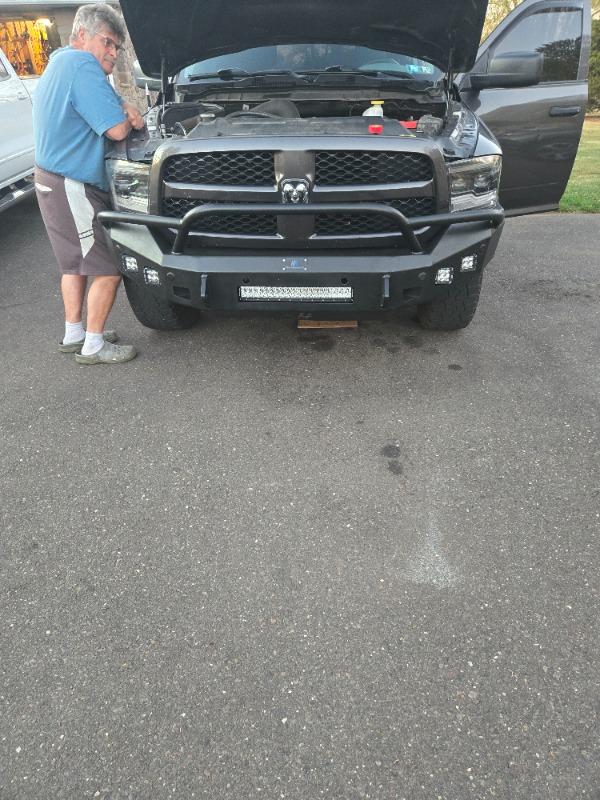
x=76 y=111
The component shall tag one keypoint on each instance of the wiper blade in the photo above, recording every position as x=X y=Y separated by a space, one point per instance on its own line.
x=222 y=74
x=340 y=69
x=238 y=74
x=370 y=78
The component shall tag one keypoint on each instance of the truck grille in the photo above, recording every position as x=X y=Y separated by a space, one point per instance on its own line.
x=231 y=168
x=356 y=224
x=337 y=224
x=231 y=224
x=345 y=167
x=332 y=168
x=256 y=173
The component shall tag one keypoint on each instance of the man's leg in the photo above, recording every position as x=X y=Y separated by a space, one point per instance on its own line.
x=73 y=291
x=101 y=298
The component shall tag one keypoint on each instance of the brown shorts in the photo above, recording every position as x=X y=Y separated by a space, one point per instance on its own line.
x=69 y=210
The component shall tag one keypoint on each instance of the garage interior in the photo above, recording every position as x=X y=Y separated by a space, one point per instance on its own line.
x=28 y=43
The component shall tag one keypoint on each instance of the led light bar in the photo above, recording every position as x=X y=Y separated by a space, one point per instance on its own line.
x=297 y=294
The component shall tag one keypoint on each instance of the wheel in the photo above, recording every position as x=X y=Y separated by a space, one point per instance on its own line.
x=454 y=311
x=156 y=312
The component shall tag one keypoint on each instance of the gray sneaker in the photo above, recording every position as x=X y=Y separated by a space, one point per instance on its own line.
x=109 y=354
x=75 y=347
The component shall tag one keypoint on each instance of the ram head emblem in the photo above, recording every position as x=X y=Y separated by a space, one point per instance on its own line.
x=294 y=190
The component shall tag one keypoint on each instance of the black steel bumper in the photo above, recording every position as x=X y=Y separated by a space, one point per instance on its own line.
x=379 y=278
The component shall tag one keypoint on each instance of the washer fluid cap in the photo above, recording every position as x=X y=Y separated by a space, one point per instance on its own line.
x=375 y=109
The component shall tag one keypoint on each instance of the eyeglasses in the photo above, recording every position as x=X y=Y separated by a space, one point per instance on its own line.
x=108 y=42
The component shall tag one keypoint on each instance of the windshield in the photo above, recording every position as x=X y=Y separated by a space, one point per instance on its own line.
x=315 y=57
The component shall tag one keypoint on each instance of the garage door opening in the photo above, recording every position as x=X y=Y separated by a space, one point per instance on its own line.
x=28 y=43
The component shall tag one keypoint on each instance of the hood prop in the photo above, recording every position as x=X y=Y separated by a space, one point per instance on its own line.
x=164 y=83
x=449 y=81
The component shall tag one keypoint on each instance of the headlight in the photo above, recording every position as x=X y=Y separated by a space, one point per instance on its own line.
x=129 y=184
x=474 y=182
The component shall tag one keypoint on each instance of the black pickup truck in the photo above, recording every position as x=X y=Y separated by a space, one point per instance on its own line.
x=334 y=159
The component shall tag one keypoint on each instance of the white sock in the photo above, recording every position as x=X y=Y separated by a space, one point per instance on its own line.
x=74 y=332
x=93 y=343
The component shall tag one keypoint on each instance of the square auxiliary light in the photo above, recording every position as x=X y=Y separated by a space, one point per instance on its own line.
x=151 y=276
x=129 y=263
x=444 y=275
x=468 y=263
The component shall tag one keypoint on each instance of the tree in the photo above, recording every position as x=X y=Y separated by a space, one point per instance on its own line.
x=594 y=78
x=497 y=10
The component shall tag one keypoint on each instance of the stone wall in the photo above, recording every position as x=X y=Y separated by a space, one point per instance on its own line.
x=124 y=79
x=63 y=22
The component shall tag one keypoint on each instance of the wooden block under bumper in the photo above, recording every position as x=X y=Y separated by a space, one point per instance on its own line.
x=305 y=324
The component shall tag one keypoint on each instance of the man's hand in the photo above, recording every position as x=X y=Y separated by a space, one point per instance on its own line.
x=133 y=116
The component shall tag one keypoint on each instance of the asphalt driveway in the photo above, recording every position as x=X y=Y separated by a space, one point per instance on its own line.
x=259 y=563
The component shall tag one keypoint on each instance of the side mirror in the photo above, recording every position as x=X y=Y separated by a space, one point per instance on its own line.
x=142 y=80
x=510 y=70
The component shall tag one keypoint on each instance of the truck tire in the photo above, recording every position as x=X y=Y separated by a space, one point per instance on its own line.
x=156 y=312
x=456 y=310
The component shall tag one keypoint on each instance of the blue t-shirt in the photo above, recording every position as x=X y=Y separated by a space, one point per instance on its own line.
x=73 y=105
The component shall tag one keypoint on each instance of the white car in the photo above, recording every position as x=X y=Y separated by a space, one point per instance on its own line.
x=16 y=140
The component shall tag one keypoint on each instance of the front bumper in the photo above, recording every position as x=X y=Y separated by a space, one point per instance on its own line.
x=214 y=279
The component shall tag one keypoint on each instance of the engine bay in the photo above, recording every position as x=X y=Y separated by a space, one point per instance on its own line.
x=189 y=117
x=245 y=114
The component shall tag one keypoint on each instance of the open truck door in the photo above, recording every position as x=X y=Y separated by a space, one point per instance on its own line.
x=529 y=86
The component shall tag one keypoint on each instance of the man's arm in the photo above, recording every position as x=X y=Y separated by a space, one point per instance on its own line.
x=118 y=132
x=134 y=120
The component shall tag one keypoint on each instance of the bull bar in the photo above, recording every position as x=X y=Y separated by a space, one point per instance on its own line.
x=406 y=225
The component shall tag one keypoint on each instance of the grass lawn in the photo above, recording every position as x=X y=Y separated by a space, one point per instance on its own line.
x=583 y=190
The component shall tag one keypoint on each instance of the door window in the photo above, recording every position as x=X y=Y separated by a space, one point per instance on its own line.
x=555 y=32
x=3 y=72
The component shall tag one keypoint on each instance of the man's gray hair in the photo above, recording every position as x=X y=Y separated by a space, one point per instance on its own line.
x=93 y=18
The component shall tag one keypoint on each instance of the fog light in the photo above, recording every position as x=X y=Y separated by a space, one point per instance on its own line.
x=151 y=276
x=129 y=263
x=468 y=263
x=444 y=275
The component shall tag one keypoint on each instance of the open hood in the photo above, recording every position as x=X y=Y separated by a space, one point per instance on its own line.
x=185 y=31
